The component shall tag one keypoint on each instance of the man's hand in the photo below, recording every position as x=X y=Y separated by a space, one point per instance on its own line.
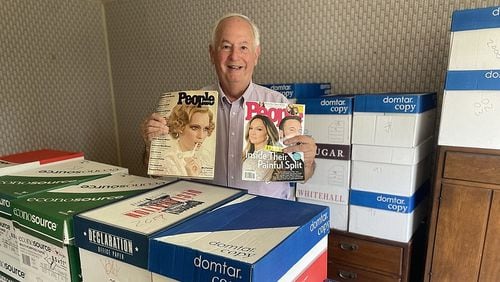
x=155 y=125
x=306 y=144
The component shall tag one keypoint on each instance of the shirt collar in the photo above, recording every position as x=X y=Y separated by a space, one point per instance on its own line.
x=240 y=100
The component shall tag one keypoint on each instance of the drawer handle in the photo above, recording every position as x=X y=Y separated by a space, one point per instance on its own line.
x=349 y=247
x=348 y=275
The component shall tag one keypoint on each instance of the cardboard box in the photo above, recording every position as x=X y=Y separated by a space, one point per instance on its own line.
x=329 y=119
x=470 y=119
x=294 y=91
x=31 y=159
x=56 y=208
x=386 y=216
x=102 y=268
x=252 y=238
x=329 y=183
x=475 y=39
x=339 y=213
x=46 y=177
x=391 y=170
x=122 y=230
x=393 y=119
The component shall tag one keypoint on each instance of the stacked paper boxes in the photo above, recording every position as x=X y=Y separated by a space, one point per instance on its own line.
x=391 y=163
x=470 y=115
x=44 y=223
x=329 y=121
x=23 y=174
x=114 y=239
x=252 y=238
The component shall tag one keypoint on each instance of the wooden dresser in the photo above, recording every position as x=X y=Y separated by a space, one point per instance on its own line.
x=353 y=257
x=464 y=230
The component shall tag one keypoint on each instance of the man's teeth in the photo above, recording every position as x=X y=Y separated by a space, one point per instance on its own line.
x=235 y=67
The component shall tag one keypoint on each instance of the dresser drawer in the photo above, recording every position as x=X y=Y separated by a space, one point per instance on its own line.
x=340 y=272
x=347 y=250
x=472 y=167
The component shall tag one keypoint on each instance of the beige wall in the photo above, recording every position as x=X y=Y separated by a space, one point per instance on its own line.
x=55 y=76
x=54 y=82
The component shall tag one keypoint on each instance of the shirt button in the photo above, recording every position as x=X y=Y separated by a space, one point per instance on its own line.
x=232 y=133
x=232 y=177
x=232 y=155
x=234 y=113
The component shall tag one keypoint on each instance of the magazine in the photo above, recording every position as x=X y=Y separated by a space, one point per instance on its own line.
x=188 y=150
x=267 y=125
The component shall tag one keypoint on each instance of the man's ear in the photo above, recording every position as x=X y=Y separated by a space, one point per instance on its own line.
x=257 y=54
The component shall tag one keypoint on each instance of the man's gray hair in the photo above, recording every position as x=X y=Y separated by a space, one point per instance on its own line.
x=255 y=29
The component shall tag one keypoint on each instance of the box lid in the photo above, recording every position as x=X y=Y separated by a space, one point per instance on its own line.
x=49 y=215
x=255 y=239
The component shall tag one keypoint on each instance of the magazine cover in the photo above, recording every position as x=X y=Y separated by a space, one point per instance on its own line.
x=267 y=125
x=188 y=150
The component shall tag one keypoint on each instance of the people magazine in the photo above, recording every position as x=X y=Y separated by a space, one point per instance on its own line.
x=266 y=126
x=188 y=150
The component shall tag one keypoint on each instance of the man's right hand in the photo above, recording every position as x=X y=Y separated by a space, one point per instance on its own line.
x=155 y=125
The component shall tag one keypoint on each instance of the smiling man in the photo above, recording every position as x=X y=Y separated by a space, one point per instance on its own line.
x=234 y=52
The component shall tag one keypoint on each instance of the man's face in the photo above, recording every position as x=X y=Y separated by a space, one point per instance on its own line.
x=291 y=128
x=234 y=54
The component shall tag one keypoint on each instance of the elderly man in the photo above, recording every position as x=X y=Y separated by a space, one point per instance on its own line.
x=234 y=52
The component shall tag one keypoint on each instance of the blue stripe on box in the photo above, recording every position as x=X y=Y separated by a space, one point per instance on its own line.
x=179 y=262
x=331 y=105
x=389 y=202
x=406 y=103
x=301 y=90
x=473 y=80
x=475 y=19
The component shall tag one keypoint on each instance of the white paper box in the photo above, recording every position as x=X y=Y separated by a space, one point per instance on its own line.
x=96 y=267
x=399 y=171
x=470 y=119
x=330 y=182
x=402 y=120
x=339 y=213
x=475 y=39
x=329 y=119
x=387 y=216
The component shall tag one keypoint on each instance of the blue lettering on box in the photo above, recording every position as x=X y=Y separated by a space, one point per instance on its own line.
x=473 y=80
x=475 y=19
x=389 y=202
x=331 y=105
x=406 y=103
x=301 y=90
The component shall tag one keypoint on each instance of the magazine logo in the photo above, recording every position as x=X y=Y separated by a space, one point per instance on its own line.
x=43 y=222
x=492 y=74
x=275 y=114
x=401 y=103
x=110 y=241
x=496 y=12
x=321 y=224
x=198 y=100
x=336 y=106
x=167 y=204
